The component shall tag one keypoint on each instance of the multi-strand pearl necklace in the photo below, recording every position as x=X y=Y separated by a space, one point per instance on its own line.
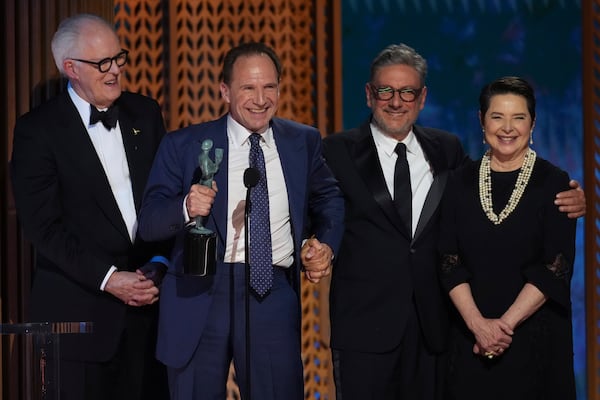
x=485 y=187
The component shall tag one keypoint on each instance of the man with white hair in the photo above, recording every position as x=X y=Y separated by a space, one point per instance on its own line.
x=79 y=167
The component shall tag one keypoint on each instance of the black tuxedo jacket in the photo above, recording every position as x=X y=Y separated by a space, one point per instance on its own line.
x=379 y=270
x=68 y=212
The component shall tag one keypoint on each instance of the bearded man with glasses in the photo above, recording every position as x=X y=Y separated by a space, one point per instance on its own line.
x=79 y=167
x=388 y=313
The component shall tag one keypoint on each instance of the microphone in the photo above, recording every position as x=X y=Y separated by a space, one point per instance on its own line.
x=251 y=178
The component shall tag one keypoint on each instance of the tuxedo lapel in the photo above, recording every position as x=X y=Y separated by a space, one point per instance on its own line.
x=80 y=151
x=432 y=149
x=431 y=201
x=138 y=148
x=369 y=168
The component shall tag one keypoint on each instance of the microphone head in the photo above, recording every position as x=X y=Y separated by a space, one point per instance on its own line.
x=251 y=177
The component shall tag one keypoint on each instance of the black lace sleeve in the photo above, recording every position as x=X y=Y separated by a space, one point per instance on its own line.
x=449 y=263
x=560 y=268
x=553 y=274
x=451 y=270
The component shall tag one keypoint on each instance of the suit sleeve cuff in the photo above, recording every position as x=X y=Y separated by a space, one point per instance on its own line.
x=107 y=277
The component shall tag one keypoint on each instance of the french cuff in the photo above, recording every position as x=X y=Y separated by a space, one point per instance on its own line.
x=186 y=217
x=107 y=277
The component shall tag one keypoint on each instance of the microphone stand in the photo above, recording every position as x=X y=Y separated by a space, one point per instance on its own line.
x=251 y=177
x=247 y=210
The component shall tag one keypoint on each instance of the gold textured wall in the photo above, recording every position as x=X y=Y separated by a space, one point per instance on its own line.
x=176 y=48
x=176 y=54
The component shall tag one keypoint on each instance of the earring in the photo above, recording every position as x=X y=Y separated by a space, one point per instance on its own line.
x=531 y=137
x=483 y=131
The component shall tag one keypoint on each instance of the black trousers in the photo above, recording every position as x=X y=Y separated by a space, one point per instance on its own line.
x=132 y=373
x=407 y=372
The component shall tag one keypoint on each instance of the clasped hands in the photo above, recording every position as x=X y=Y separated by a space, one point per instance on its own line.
x=316 y=259
x=138 y=288
x=492 y=337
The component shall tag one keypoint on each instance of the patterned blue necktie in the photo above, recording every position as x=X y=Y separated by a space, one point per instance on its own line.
x=260 y=252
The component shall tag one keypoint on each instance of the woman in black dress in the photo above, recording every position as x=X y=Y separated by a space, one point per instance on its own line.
x=507 y=258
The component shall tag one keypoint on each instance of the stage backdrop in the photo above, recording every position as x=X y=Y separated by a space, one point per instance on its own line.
x=468 y=43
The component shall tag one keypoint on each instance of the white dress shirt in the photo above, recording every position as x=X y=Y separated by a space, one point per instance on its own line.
x=421 y=176
x=279 y=214
x=111 y=153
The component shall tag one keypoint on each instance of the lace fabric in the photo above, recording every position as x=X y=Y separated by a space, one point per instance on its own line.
x=450 y=262
x=560 y=268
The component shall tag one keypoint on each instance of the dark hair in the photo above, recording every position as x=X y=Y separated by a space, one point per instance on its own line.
x=507 y=85
x=245 y=50
x=400 y=54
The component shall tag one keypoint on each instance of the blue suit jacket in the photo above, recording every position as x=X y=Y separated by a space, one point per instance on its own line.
x=312 y=194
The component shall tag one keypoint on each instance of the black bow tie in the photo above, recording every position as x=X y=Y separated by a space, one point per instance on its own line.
x=108 y=117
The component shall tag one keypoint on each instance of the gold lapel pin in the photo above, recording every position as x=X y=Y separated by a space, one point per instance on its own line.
x=136 y=132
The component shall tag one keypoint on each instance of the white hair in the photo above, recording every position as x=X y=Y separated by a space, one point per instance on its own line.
x=66 y=39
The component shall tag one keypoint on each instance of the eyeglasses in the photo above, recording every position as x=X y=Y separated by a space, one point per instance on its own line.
x=386 y=93
x=105 y=64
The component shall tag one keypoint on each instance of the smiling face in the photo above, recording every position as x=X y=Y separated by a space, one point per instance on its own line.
x=100 y=89
x=508 y=125
x=253 y=93
x=395 y=117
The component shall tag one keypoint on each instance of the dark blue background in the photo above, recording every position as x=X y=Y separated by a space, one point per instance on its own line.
x=468 y=43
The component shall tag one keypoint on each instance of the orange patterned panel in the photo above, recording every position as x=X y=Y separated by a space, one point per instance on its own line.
x=176 y=50
x=140 y=28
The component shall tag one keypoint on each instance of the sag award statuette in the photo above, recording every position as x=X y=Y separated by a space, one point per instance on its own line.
x=200 y=247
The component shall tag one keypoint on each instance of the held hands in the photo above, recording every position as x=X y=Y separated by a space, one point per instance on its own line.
x=316 y=259
x=200 y=199
x=133 y=288
x=572 y=201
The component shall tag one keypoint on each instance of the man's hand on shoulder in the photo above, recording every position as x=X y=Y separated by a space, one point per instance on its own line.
x=572 y=201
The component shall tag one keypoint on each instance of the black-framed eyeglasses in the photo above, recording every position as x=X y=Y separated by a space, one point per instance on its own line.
x=386 y=93
x=105 y=64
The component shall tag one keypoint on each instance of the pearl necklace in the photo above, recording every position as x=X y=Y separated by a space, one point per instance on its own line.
x=485 y=187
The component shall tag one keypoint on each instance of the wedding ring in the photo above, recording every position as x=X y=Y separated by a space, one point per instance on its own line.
x=489 y=354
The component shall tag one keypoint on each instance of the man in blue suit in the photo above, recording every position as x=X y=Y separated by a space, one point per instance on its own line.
x=202 y=324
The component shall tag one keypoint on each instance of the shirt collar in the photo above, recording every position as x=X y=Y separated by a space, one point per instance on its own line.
x=388 y=144
x=238 y=134
x=82 y=106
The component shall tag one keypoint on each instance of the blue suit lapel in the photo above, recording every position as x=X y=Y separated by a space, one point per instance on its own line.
x=218 y=215
x=292 y=155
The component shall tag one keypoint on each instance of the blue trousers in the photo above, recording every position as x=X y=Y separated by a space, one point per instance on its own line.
x=275 y=367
